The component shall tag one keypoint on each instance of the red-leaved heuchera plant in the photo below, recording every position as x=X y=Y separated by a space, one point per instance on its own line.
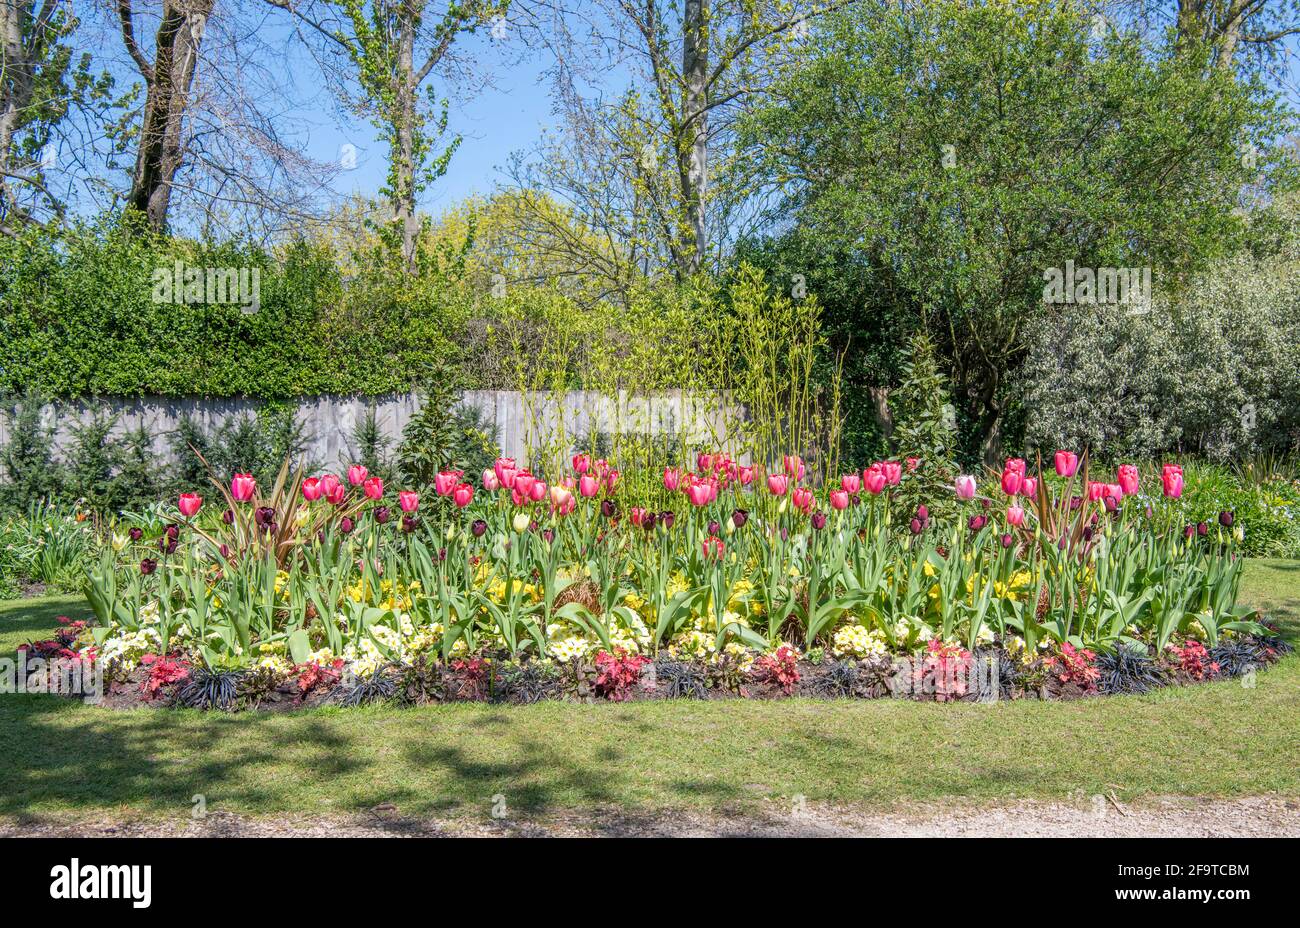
x=618 y=673
x=780 y=667
x=163 y=671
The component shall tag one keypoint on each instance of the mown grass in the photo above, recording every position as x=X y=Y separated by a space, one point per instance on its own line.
x=1211 y=740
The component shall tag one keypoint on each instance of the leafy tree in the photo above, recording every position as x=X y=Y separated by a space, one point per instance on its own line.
x=27 y=458
x=963 y=150
x=926 y=427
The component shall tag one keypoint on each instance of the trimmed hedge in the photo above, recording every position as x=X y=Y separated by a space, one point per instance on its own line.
x=78 y=317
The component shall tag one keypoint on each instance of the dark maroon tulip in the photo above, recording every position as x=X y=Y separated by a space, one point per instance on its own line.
x=1202 y=529
x=346 y=526
x=478 y=527
x=148 y=566
x=1087 y=533
x=648 y=521
x=548 y=535
x=1111 y=503
x=382 y=515
x=608 y=508
x=714 y=527
x=225 y=551
x=228 y=517
x=819 y=520
x=442 y=554
x=785 y=533
x=408 y=523
x=667 y=518
x=1007 y=541
x=917 y=527
x=1075 y=502
x=1225 y=518
x=739 y=517
x=135 y=533
x=923 y=513
x=173 y=532
x=1189 y=530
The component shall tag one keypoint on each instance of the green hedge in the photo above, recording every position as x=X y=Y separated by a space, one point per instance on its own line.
x=78 y=317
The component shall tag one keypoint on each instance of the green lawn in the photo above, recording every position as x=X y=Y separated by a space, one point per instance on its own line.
x=1212 y=740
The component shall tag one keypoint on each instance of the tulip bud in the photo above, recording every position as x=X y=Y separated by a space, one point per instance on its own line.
x=1007 y=540
x=740 y=517
x=1225 y=518
x=346 y=526
x=148 y=566
x=478 y=527
x=135 y=534
x=667 y=518
x=714 y=528
x=382 y=515
x=819 y=520
x=916 y=526
x=520 y=522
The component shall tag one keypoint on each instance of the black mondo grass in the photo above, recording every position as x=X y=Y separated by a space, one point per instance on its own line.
x=1129 y=672
x=1238 y=656
x=529 y=683
x=211 y=689
x=684 y=680
x=378 y=686
x=839 y=679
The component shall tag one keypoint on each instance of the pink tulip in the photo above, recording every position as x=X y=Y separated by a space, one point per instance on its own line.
x=611 y=480
x=462 y=495
x=537 y=491
x=311 y=489
x=873 y=478
x=1096 y=491
x=913 y=464
x=1015 y=516
x=242 y=487
x=1067 y=462
x=965 y=486
x=705 y=463
x=1115 y=490
x=1016 y=464
x=1029 y=486
x=329 y=485
x=1173 y=482
x=523 y=482
x=1128 y=479
x=357 y=475
x=601 y=466
x=777 y=484
x=893 y=472
x=490 y=481
x=803 y=499
x=699 y=493
x=408 y=500
x=336 y=493
x=1012 y=480
x=506 y=470
x=374 y=487
x=582 y=463
x=850 y=483
x=839 y=499
x=445 y=481
x=792 y=464
x=189 y=504
x=672 y=478
x=588 y=486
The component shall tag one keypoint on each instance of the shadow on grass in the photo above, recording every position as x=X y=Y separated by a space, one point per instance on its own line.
x=35 y=619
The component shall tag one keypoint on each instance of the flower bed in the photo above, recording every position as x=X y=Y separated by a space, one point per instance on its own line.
x=752 y=584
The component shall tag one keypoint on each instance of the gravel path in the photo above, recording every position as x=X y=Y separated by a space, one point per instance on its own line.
x=1092 y=816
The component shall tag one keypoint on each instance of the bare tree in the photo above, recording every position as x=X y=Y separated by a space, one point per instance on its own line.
x=394 y=48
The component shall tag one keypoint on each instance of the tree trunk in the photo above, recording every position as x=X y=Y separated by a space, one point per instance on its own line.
x=15 y=90
x=404 y=162
x=693 y=147
x=169 y=79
